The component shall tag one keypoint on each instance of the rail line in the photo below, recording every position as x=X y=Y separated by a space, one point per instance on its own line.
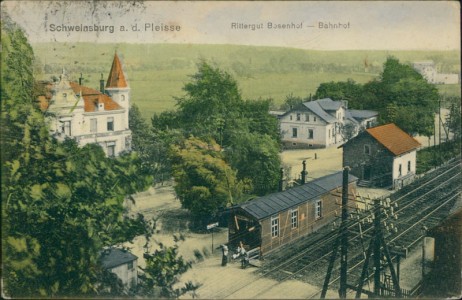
x=314 y=251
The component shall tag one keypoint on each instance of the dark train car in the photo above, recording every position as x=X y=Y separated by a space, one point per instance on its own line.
x=277 y=219
x=444 y=278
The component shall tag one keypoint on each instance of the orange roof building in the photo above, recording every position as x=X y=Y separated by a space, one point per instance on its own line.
x=393 y=138
x=382 y=156
x=89 y=115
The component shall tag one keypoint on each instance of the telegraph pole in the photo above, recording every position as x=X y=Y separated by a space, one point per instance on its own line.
x=377 y=256
x=341 y=239
x=344 y=234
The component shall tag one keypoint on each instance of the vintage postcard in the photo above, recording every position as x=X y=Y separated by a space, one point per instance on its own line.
x=231 y=149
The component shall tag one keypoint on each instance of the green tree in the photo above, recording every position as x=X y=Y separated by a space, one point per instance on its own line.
x=152 y=145
x=291 y=102
x=60 y=203
x=400 y=95
x=161 y=273
x=205 y=183
x=211 y=103
x=343 y=90
x=256 y=157
x=453 y=121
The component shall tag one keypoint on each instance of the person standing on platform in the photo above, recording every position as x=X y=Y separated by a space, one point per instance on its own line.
x=224 y=259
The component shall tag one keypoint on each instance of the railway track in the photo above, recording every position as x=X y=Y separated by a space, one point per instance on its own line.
x=424 y=203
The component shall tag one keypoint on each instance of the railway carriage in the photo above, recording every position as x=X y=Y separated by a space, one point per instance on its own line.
x=273 y=220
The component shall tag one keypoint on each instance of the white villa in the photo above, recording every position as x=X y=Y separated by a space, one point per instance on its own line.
x=88 y=115
x=319 y=123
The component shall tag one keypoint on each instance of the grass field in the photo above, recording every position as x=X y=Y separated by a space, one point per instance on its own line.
x=157 y=72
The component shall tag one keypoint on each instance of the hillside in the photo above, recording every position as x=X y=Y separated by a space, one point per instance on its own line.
x=157 y=72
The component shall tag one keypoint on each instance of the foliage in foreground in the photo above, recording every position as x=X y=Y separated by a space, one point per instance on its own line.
x=61 y=204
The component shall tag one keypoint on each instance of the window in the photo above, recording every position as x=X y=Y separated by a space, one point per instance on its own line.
x=67 y=128
x=310 y=134
x=110 y=124
x=110 y=149
x=93 y=125
x=298 y=117
x=368 y=124
x=318 y=209
x=294 y=132
x=409 y=166
x=314 y=119
x=400 y=171
x=307 y=117
x=329 y=133
x=367 y=149
x=274 y=226
x=294 y=218
x=122 y=97
x=290 y=117
x=130 y=265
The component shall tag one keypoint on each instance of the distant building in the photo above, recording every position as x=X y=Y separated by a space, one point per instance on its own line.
x=382 y=156
x=123 y=264
x=273 y=220
x=428 y=70
x=88 y=115
x=322 y=123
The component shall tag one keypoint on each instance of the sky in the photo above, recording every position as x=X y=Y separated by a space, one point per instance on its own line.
x=317 y=25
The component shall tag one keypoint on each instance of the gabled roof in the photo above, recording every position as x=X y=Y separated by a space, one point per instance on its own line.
x=363 y=114
x=329 y=104
x=269 y=205
x=316 y=108
x=393 y=138
x=114 y=257
x=92 y=97
x=350 y=117
x=116 y=77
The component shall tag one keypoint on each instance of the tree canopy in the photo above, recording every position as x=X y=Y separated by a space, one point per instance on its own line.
x=205 y=183
x=60 y=203
x=401 y=95
x=213 y=111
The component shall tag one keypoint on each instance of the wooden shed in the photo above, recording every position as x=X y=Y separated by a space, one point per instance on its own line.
x=279 y=218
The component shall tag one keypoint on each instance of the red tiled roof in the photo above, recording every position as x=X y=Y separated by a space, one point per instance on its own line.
x=92 y=97
x=116 y=77
x=393 y=138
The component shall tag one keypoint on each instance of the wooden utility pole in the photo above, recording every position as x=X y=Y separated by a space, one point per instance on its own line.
x=344 y=234
x=341 y=239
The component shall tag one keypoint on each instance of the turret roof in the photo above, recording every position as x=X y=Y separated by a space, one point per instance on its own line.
x=116 y=77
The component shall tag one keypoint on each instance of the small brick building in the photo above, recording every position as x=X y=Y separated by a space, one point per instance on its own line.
x=279 y=218
x=382 y=156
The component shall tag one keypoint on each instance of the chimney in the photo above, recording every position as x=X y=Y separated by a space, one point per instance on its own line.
x=304 y=173
x=281 y=180
x=80 y=79
x=101 y=84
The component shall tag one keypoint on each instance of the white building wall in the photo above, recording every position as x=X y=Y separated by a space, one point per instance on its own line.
x=307 y=121
x=403 y=160
x=447 y=78
x=128 y=276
